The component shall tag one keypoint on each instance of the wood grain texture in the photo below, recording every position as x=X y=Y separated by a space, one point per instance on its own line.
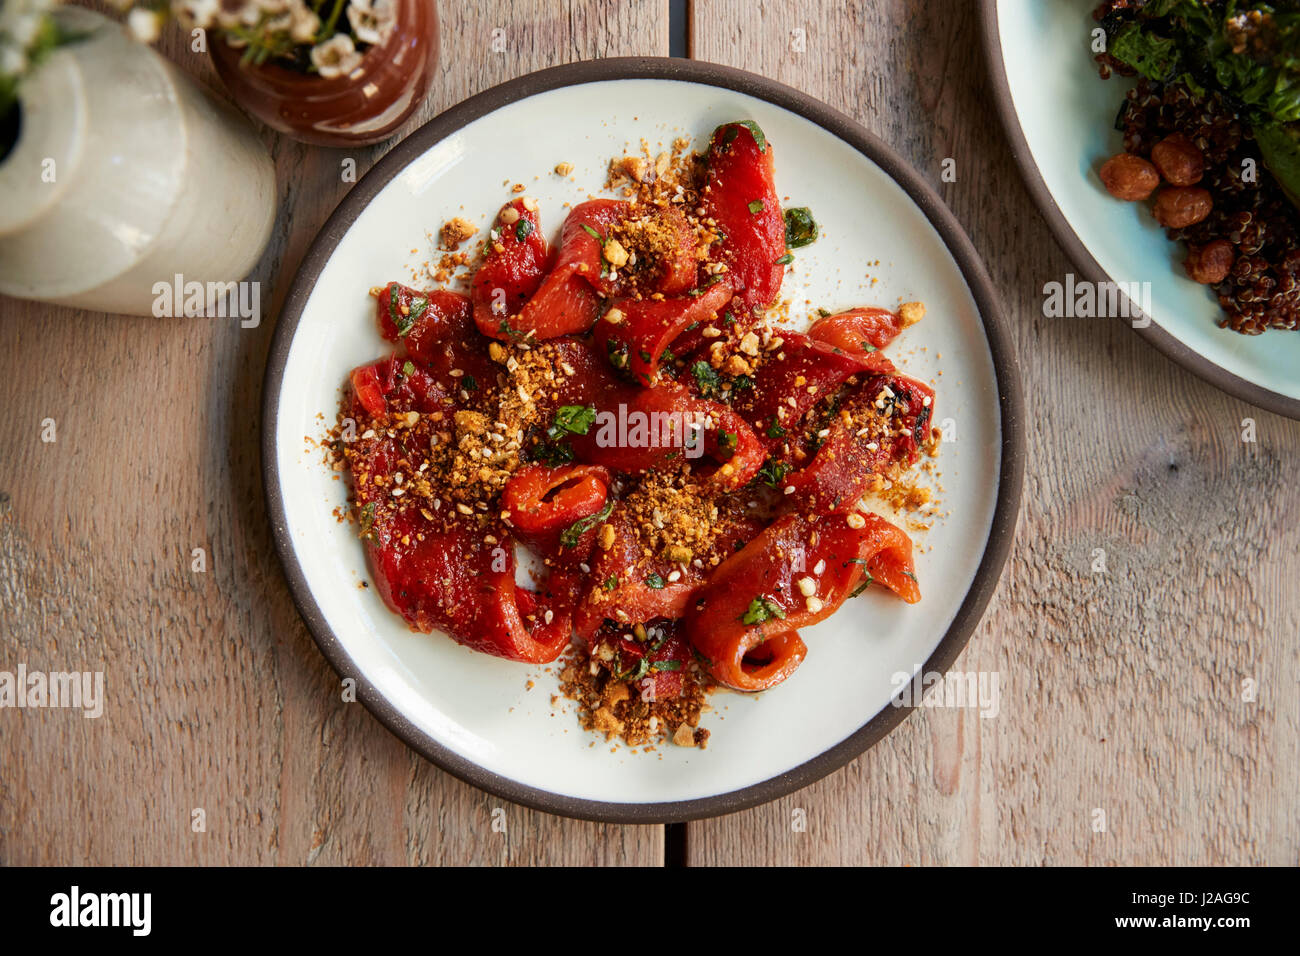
x=1121 y=691
x=217 y=697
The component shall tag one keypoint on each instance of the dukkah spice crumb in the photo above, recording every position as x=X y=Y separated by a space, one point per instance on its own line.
x=455 y=231
x=619 y=710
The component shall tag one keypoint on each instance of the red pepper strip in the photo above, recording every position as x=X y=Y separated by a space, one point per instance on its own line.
x=447 y=577
x=423 y=320
x=643 y=329
x=760 y=584
x=564 y=305
x=629 y=588
x=582 y=241
x=646 y=428
x=858 y=330
x=740 y=196
x=552 y=510
x=844 y=464
x=386 y=386
x=804 y=370
x=510 y=274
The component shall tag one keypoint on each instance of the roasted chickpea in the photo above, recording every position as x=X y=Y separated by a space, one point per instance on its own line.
x=1178 y=160
x=1178 y=207
x=1129 y=177
x=1210 y=264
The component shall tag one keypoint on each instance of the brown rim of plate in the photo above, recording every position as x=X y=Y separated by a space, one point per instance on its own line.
x=1196 y=363
x=1011 y=465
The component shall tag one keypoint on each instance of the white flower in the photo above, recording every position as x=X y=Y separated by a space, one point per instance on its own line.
x=372 y=20
x=236 y=13
x=145 y=25
x=21 y=19
x=196 y=13
x=305 y=24
x=337 y=56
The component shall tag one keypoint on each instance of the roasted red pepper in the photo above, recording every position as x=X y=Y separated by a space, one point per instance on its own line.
x=740 y=196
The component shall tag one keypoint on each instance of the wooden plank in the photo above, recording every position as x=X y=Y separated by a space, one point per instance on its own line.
x=1121 y=691
x=217 y=697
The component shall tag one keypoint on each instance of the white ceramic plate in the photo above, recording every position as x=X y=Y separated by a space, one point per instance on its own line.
x=473 y=714
x=1060 y=118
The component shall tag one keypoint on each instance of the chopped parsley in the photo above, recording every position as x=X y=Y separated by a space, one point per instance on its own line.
x=762 y=609
x=572 y=419
x=408 y=368
x=785 y=260
x=405 y=323
x=757 y=206
x=469 y=382
x=611 y=582
x=654 y=581
x=523 y=229
x=773 y=473
x=775 y=430
x=733 y=130
x=800 y=227
x=727 y=442
x=569 y=537
x=707 y=378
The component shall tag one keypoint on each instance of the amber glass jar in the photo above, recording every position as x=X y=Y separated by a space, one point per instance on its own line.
x=365 y=106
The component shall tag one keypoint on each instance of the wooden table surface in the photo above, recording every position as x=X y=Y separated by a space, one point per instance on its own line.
x=1162 y=692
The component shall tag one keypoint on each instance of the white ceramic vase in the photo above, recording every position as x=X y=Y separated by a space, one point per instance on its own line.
x=125 y=175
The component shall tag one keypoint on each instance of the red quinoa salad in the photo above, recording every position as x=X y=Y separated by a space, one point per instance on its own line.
x=1211 y=135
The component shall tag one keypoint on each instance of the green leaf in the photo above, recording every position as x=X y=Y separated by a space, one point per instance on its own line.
x=706 y=376
x=756 y=206
x=408 y=368
x=733 y=130
x=1154 y=56
x=800 y=227
x=762 y=609
x=785 y=260
x=654 y=581
x=773 y=473
x=572 y=419
x=570 y=536
x=523 y=229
